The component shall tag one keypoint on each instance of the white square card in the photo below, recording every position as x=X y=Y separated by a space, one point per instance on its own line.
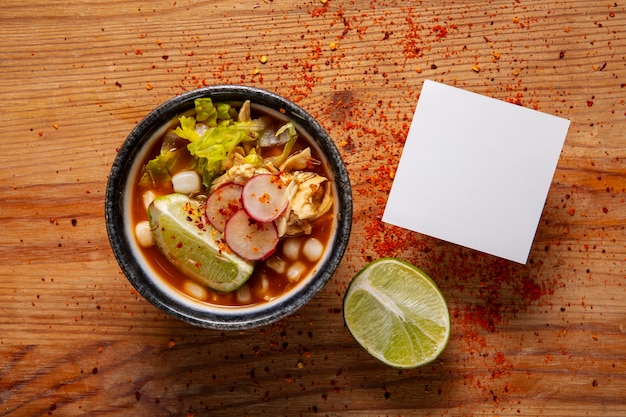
x=475 y=171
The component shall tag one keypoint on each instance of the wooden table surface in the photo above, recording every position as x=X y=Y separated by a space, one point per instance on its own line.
x=543 y=339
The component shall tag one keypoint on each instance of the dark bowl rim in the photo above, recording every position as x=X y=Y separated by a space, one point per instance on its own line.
x=227 y=319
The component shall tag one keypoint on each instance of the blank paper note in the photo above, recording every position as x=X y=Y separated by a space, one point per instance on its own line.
x=475 y=171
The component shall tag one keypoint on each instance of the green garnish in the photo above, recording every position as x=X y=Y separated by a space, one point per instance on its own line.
x=157 y=170
x=290 y=129
x=213 y=145
x=212 y=134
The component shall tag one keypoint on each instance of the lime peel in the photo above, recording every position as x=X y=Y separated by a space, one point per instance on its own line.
x=397 y=314
x=193 y=245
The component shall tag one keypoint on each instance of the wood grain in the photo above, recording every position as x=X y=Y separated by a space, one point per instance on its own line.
x=543 y=339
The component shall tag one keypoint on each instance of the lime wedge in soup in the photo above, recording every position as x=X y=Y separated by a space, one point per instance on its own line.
x=194 y=246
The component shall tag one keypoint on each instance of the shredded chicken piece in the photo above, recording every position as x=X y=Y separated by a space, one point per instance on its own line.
x=237 y=174
x=234 y=158
x=298 y=161
x=296 y=226
x=310 y=196
x=283 y=221
x=244 y=112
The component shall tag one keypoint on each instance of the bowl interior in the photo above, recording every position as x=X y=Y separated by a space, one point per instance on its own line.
x=139 y=271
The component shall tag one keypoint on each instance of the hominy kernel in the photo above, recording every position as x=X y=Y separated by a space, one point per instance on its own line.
x=291 y=248
x=244 y=295
x=295 y=271
x=313 y=249
x=144 y=234
x=186 y=182
x=148 y=197
x=277 y=264
x=263 y=59
x=195 y=290
x=265 y=285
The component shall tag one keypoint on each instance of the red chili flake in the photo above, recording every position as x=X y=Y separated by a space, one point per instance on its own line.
x=484 y=316
x=571 y=211
x=589 y=103
x=440 y=31
x=502 y=366
x=531 y=290
x=605 y=210
x=265 y=198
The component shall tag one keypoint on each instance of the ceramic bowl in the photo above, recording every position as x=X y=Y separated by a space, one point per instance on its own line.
x=147 y=281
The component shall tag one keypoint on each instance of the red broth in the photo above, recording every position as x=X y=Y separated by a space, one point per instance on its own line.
x=266 y=282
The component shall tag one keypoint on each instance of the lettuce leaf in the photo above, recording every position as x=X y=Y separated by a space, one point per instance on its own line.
x=212 y=146
x=205 y=111
x=156 y=172
x=290 y=129
x=214 y=132
x=224 y=111
x=213 y=114
x=187 y=129
x=253 y=158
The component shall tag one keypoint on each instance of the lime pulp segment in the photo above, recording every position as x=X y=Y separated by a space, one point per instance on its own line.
x=194 y=246
x=397 y=314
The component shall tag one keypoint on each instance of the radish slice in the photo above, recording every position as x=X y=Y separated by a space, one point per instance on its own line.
x=264 y=197
x=222 y=204
x=250 y=239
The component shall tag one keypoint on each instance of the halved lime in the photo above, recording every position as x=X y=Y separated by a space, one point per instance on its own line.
x=397 y=313
x=194 y=246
